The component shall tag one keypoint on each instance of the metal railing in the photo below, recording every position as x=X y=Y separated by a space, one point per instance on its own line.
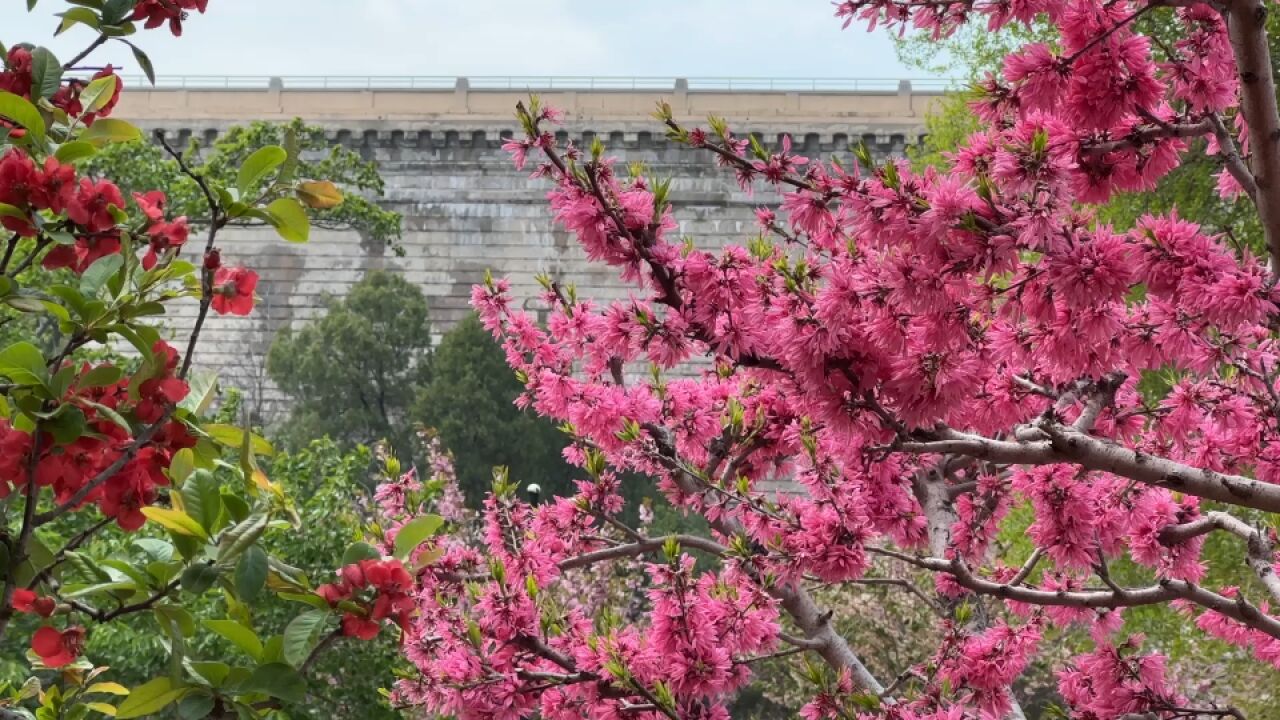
x=535 y=82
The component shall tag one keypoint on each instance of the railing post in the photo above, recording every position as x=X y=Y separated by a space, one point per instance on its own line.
x=461 y=90
x=681 y=105
x=274 y=86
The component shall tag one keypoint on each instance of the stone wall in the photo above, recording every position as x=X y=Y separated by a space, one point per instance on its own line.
x=467 y=210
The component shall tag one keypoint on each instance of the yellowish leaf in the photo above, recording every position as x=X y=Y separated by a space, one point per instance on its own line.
x=175 y=521
x=319 y=194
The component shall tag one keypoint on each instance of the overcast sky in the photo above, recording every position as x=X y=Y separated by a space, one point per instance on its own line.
x=738 y=38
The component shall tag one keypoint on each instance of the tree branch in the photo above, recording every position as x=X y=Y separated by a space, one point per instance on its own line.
x=1247 y=29
x=1055 y=443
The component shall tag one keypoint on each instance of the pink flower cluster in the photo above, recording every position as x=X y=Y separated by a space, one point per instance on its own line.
x=921 y=352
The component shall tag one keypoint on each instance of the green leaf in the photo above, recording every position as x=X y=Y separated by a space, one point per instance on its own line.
x=313 y=600
x=100 y=707
x=279 y=681
x=238 y=539
x=181 y=619
x=155 y=548
x=239 y=635
x=100 y=376
x=236 y=507
x=17 y=109
x=99 y=273
x=251 y=574
x=23 y=364
x=232 y=437
x=68 y=426
x=202 y=497
x=288 y=576
x=46 y=73
x=414 y=532
x=175 y=521
x=70 y=152
x=98 y=93
x=257 y=166
x=25 y=303
x=115 y=11
x=81 y=15
x=212 y=671
x=96 y=588
x=105 y=131
x=180 y=468
x=88 y=567
x=360 y=551
x=290 y=219
x=143 y=61
x=303 y=634
x=108 y=413
x=204 y=388
x=149 y=699
x=198 y=578
x=195 y=706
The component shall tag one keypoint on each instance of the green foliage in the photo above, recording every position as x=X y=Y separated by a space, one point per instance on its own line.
x=970 y=52
x=352 y=374
x=946 y=128
x=142 y=165
x=332 y=487
x=469 y=402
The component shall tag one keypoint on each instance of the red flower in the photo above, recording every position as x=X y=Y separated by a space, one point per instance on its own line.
x=57 y=649
x=67 y=97
x=353 y=575
x=55 y=188
x=27 y=601
x=161 y=391
x=14 y=446
x=333 y=594
x=17 y=76
x=133 y=488
x=388 y=576
x=18 y=180
x=165 y=235
x=158 y=12
x=233 y=290
x=361 y=628
x=151 y=204
x=85 y=252
x=90 y=207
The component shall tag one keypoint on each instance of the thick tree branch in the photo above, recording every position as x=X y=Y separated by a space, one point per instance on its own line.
x=1231 y=157
x=814 y=622
x=1247 y=28
x=1260 y=555
x=1050 y=443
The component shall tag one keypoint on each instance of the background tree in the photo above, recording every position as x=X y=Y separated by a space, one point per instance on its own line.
x=144 y=164
x=352 y=374
x=470 y=400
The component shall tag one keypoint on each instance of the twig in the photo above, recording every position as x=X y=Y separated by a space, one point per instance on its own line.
x=97 y=43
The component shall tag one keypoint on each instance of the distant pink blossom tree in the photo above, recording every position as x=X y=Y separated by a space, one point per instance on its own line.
x=920 y=352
